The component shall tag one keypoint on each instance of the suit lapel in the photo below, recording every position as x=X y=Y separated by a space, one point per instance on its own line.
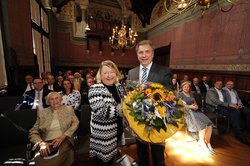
x=152 y=73
x=137 y=73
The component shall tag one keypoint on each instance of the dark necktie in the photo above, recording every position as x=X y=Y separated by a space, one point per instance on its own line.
x=31 y=86
x=144 y=75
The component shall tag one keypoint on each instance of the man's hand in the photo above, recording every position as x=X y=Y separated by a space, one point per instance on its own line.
x=234 y=106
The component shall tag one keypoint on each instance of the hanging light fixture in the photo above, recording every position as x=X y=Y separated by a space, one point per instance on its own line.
x=179 y=6
x=176 y=6
x=123 y=38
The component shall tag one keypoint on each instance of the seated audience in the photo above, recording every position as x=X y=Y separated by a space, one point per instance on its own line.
x=52 y=85
x=216 y=101
x=176 y=77
x=71 y=78
x=59 y=81
x=35 y=98
x=185 y=78
x=77 y=81
x=70 y=96
x=54 y=130
x=44 y=76
x=29 y=83
x=195 y=119
x=176 y=86
x=232 y=97
x=196 y=86
x=205 y=85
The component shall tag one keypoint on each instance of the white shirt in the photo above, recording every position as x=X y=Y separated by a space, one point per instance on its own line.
x=233 y=96
x=141 y=70
x=50 y=87
x=197 y=89
x=38 y=102
x=221 y=98
x=206 y=85
x=29 y=87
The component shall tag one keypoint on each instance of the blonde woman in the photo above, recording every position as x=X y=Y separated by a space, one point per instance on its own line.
x=54 y=128
x=195 y=119
x=105 y=100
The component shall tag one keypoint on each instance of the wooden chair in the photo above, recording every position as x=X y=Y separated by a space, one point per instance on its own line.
x=214 y=115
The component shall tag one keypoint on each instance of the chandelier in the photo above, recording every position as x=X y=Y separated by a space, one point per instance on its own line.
x=179 y=6
x=123 y=38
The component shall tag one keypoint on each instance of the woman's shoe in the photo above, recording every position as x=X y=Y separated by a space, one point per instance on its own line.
x=211 y=151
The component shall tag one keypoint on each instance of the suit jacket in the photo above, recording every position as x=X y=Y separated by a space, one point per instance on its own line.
x=212 y=99
x=157 y=73
x=203 y=87
x=228 y=97
x=194 y=89
x=29 y=97
x=67 y=120
x=56 y=87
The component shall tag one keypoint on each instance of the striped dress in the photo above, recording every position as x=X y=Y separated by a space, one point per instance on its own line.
x=103 y=141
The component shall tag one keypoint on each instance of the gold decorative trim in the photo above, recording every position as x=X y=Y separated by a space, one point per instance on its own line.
x=217 y=67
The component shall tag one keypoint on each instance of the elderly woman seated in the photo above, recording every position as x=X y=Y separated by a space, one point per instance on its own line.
x=52 y=133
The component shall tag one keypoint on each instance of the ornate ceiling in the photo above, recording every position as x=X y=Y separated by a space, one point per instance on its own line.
x=142 y=8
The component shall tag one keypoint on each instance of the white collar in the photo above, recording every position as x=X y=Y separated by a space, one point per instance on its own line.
x=148 y=67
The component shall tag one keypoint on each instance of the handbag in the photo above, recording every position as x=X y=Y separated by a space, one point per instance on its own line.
x=53 y=150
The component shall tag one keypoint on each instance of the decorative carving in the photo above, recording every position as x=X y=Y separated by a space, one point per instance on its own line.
x=67 y=12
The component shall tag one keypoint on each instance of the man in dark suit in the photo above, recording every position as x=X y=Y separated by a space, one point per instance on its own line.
x=52 y=85
x=195 y=86
x=35 y=98
x=154 y=73
x=205 y=85
x=216 y=101
x=28 y=84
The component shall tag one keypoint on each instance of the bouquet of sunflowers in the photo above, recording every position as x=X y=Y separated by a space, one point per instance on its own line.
x=152 y=112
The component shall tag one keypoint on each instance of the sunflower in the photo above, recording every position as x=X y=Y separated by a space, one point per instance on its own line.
x=146 y=108
x=158 y=95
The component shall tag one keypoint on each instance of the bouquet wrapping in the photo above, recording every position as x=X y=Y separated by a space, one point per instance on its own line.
x=152 y=112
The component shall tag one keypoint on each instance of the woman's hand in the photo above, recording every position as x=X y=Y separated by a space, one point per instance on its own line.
x=193 y=107
x=44 y=149
x=57 y=142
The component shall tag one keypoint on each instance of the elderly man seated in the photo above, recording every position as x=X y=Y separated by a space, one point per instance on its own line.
x=216 y=100
x=232 y=97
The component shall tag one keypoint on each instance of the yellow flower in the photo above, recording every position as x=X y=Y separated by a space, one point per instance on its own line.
x=150 y=121
x=158 y=95
x=161 y=110
x=148 y=91
x=156 y=86
x=171 y=93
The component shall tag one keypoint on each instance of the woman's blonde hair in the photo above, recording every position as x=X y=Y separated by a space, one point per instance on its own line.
x=185 y=83
x=51 y=94
x=109 y=64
